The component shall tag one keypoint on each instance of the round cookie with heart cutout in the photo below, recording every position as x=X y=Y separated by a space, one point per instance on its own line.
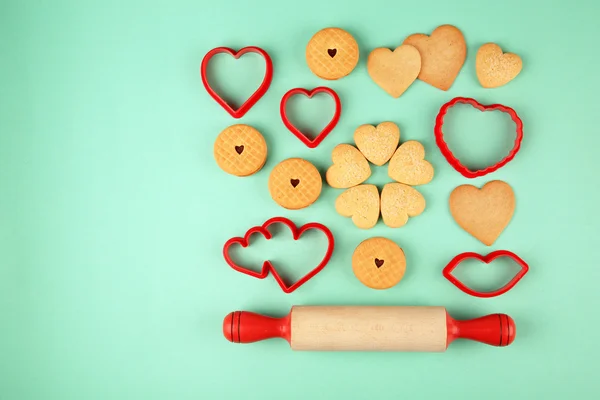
x=332 y=53
x=240 y=150
x=379 y=263
x=295 y=183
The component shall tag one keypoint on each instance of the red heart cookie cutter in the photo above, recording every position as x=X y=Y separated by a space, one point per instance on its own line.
x=251 y=101
x=267 y=266
x=311 y=143
x=447 y=272
x=452 y=160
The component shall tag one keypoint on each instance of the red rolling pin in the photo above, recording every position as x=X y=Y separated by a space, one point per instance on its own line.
x=368 y=328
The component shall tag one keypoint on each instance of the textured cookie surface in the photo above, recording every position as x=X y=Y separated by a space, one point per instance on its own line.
x=408 y=165
x=295 y=183
x=485 y=212
x=442 y=55
x=240 y=150
x=379 y=263
x=332 y=53
x=495 y=68
x=377 y=143
x=350 y=167
x=361 y=203
x=399 y=202
x=394 y=71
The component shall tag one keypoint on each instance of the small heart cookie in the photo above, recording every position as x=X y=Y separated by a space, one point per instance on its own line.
x=394 y=71
x=361 y=203
x=398 y=202
x=377 y=143
x=408 y=165
x=485 y=212
x=442 y=55
x=495 y=68
x=350 y=167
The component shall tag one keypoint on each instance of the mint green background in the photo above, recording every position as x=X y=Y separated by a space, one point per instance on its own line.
x=113 y=212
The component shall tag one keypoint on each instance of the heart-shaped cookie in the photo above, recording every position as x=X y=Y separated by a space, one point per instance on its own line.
x=350 y=167
x=485 y=212
x=408 y=165
x=495 y=68
x=377 y=143
x=442 y=55
x=399 y=202
x=394 y=71
x=361 y=203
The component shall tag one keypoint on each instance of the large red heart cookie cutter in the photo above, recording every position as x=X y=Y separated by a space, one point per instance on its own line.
x=452 y=160
x=251 y=101
x=311 y=143
x=267 y=265
x=447 y=271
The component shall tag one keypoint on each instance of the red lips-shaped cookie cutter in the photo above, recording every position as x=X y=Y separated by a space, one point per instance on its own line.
x=447 y=272
x=452 y=160
x=311 y=143
x=267 y=266
x=262 y=89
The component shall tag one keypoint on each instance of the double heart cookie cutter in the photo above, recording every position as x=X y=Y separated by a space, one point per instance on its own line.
x=310 y=143
x=452 y=160
x=253 y=99
x=447 y=271
x=267 y=265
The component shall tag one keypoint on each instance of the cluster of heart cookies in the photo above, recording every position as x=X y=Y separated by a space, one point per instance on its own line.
x=407 y=166
x=437 y=60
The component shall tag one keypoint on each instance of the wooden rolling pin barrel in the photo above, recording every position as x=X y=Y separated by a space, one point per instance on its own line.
x=368 y=328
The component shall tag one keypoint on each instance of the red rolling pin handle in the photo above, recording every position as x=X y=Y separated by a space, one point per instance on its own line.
x=248 y=327
x=494 y=329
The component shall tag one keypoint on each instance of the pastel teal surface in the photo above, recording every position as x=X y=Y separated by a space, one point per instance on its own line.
x=113 y=212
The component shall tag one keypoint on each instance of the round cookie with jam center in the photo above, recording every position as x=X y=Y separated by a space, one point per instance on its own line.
x=295 y=183
x=379 y=263
x=332 y=53
x=240 y=150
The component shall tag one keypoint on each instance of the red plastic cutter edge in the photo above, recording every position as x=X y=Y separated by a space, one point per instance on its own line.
x=447 y=271
x=253 y=99
x=452 y=160
x=310 y=93
x=267 y=266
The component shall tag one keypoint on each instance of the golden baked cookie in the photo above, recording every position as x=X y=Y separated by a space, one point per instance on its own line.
x=240 y=150
x=377 y=143
x=494 y=67
x=485 y=212
x=295 y=183
x=332 y=53
x=394 y=71
x=350 y=167
x=399 y=202
x=408 y=165
x=361 y=203
x=442 y=55
x=379 y=263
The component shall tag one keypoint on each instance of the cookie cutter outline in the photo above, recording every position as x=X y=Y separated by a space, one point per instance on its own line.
x=267 y=265
x=447 y=271
x=254 y=97
x=310 y=93
x=452 y=160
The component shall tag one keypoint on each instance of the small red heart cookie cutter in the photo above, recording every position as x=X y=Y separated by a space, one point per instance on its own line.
x=447 y=272
x=311 y=143
x=452 y=160
x=267 y=266
x=251 y=101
